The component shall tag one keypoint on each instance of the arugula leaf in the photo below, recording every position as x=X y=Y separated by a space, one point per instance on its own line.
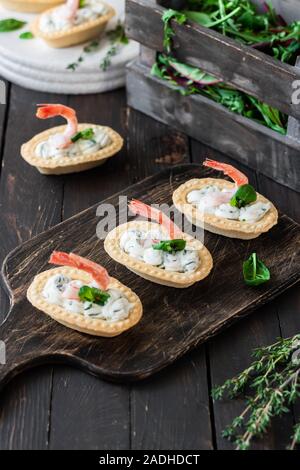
x=94 y=295
x=255 y=272
x=169 y=15
x=86 y=134
x=10 y=24
x=170 y=245
x=243 y=196
x=26 y=35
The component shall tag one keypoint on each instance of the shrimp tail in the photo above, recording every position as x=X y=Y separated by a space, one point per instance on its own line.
x=139 y=208
x=98 y=273
x=46 y=111
x=237 y=176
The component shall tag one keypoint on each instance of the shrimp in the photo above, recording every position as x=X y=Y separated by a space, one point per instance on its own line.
x=71 y=291
x=237 y=176
x=98 y=273
x=139 y=208
x=46 y=111
x=69 y=10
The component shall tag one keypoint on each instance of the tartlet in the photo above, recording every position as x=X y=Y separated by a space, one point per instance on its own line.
x=61 y=136
x=220 y=225
x=76 y=34
x=153 y=273
x=91 y=326
x=30 y=6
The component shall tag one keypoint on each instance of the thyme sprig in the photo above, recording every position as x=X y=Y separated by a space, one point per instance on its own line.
x=273 y=377
x=116 y=37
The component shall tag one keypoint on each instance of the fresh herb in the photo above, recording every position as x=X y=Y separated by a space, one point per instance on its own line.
x=274 y=380
x=116 y=37
x=255 y=272
x=169 y=15
x=243 y=196
x=94 y=295
x=82 y=3
x=86 y=134
x=189 y=80
x=241 y=20
x=170 y=245
x=10 y=24
x=26 y=35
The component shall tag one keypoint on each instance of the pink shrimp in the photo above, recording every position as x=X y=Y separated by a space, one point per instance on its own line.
x=139 y=208
x=237 y=176
x=46 y=111
x=69 y=10
x=98 y=273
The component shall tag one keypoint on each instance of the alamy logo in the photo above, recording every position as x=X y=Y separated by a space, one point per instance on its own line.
x=2 y=353
x=296 y=93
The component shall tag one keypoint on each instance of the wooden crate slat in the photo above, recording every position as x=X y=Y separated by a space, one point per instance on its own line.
x=247 y=69
x=258 y=147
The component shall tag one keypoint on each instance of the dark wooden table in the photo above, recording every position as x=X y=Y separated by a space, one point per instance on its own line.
x=62 y=408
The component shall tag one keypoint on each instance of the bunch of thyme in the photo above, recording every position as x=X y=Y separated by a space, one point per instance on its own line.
x=274 y=379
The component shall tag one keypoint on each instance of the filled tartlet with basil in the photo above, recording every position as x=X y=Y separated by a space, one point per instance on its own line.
x=69 y=148
x=234 y=210
x=81 y=295
x=73 y=23
x=158 y=250
x=30 y=6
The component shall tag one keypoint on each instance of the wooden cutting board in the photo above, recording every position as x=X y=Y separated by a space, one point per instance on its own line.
x=174 y=320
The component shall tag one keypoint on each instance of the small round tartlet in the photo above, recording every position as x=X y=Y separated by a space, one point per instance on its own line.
x=153 y=273
x=220 y=225
x=75 y=35
x=78 y=322
x=30 y=6
x=65 y=164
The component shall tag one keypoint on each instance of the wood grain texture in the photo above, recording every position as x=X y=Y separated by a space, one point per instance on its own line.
x=246 y=141
x=178 y=322
x=241 y=66
x=30 y=203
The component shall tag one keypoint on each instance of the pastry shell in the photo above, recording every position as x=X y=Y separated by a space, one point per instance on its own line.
x=75 y=35
x=220 y=225
x=152 y=273
x=91 y=326
x=63 y=165
x=30 y=6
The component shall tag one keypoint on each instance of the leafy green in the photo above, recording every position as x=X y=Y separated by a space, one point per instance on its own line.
x=10 y=24
x=255 y=272
x=169 y=15
x=26 y=35
x=170 y=245
x=86 y=134
x=189 y=80
x=94 y=295
x=82 y=3
x=116 y=36
x=243 y=196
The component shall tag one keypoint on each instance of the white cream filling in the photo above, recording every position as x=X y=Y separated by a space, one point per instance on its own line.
x=56 y=291
x=138 y=244
x=100 y=139
x=55 y=20
x=216 y=201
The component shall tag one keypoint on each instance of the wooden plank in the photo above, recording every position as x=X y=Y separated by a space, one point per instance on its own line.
x=275 y=155
x=241 y=66
x=30 y=203
x=101 y=410
x=230 y=352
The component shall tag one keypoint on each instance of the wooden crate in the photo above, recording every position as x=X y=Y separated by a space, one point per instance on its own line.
x=246 y=69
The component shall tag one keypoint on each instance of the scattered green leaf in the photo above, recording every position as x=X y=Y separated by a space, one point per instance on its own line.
x=243 y=196
x=255 y=272
x=10 y=24
x=26 y=35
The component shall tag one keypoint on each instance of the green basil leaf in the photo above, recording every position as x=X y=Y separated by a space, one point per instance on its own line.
x=86 y=134
x=10 y=24
x=94 y=295
x=26 y=35
x=170 y=245
x=255 y=272
x=244 y=195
